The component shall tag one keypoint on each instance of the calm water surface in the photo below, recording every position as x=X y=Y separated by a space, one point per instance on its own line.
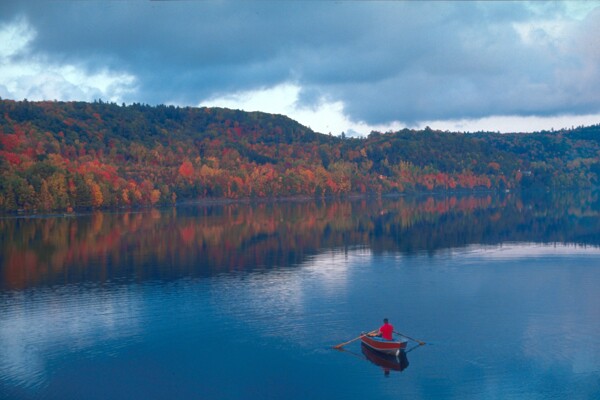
x=246 y=301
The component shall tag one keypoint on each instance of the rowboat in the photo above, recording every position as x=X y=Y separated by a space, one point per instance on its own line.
x=385 y=346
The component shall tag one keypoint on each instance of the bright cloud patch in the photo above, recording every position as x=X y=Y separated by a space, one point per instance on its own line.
x=324 y=117
x=329 y=117
x=34 y=77
x=512 y=124
x=14 y=38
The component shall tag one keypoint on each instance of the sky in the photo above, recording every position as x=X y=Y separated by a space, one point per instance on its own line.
x=335 y=66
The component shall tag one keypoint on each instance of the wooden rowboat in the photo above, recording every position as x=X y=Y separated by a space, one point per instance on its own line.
x=385 y=346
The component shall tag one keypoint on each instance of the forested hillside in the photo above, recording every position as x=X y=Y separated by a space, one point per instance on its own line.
x=63 y=156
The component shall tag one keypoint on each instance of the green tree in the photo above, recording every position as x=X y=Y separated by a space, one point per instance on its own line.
x=57 y=187
x=83 y=194
x=46 y=199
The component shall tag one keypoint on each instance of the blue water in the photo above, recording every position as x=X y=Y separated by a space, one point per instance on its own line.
x=511 y=320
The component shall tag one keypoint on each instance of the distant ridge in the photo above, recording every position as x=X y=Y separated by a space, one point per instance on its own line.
x=69 y=155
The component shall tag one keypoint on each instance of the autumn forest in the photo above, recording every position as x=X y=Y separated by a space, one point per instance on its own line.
x=63 y=156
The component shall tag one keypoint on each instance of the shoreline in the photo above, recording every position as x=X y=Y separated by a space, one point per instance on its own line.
x=259 y=200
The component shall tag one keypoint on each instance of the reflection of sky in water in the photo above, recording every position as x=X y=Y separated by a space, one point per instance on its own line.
x=37 y=329
x=288 y=303
x=503 y=321
x=555 y=300
x=578 y=306
x=524 y=250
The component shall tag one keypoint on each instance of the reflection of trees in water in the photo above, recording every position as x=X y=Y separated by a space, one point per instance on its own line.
x=203 y=240
x=559 y=218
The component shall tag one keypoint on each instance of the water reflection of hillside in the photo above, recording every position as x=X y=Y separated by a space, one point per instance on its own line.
x=205 y=240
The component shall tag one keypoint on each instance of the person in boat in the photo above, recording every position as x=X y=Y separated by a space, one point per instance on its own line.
x=386 y=330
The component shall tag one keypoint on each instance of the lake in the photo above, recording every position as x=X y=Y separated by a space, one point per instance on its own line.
x=247 y=300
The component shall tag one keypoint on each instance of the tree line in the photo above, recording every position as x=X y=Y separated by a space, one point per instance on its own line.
x=73 y=155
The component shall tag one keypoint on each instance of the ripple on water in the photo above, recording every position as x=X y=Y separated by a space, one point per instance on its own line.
x=41 y=327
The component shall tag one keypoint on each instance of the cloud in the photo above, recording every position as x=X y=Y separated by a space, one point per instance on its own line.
x=36 y=77
x=320 y=115
x=377 y=63
x=477 y=67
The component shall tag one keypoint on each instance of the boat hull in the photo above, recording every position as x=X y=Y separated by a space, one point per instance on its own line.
x=376 y=343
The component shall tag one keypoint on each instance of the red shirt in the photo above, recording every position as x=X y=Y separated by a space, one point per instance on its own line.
x=386 y=331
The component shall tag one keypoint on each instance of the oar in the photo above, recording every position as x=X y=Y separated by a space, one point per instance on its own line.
x=421 y=343
x=339 y=346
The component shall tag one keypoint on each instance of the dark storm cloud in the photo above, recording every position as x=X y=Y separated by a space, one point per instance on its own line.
x=386 y=61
